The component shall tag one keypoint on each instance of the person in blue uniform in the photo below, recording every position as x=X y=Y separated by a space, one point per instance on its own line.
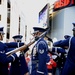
x=4 y=59
x=69 y=67
x=39 y=54
x=19 y=66
x=60 y=58
x=59 y=55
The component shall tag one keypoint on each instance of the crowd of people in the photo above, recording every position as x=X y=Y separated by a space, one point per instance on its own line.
x=43 y=60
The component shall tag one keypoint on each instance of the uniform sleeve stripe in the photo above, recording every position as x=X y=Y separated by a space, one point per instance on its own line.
x=40 y=72
x=13 y=57
x=56 y=49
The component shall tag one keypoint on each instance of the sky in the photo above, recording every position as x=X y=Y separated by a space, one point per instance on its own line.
x=30 y=9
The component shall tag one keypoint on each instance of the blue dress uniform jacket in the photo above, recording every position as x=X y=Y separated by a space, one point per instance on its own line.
x=19 y=66
x=69 y=67
x=4 y=60
x=13 y=44
x=58 y=50
x=34 y=59
x=42 y=51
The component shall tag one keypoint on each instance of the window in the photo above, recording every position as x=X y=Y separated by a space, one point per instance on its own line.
x=19 y=26
x=44 y=16
x=25 y=32
x=8 y=18
x=0 y=1
x=8 y=31
x=8 y=4
x=0 y=17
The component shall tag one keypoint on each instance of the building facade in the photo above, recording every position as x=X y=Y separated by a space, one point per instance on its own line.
x=61 y=19
x=3 y=15
x=11 y=19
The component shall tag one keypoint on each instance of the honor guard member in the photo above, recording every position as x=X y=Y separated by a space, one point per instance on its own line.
x=19 y=66
x=60 y=58
x=39 y=54
x=4 y=59
x=69 y=67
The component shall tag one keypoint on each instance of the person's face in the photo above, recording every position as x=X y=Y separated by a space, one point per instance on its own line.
x=37 y=34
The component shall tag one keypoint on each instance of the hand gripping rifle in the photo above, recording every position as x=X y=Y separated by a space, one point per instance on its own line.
x=22 y=48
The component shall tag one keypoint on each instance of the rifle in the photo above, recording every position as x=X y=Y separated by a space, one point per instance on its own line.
x=22 y=48
x=49 y=39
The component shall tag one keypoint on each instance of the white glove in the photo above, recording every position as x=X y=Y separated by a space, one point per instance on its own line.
x=18 y=53
x=49 y=63
x=54 y=56
x=50 y=49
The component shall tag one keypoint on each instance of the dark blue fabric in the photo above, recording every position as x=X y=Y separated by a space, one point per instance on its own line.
x=17 y=37
x=69 y=68
x=39 y=29
x=61 y=44
x=42 y=50
x=19 y=66
x=34 y=71
x=24 y=66
x=4 y=60
x=34 y=59
x=13 y=44
x=1 y=30
x=59 y=50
